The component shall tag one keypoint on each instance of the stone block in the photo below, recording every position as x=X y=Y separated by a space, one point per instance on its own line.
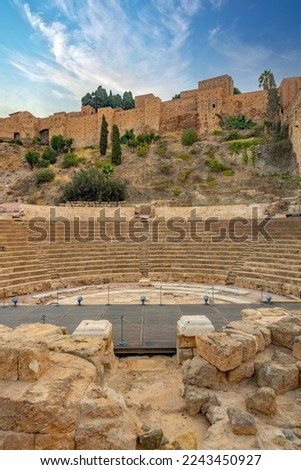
x=33 y=360
x=193 y=325
x=241 y=422
x=285 y=331
x=280 y=377
x=183 y=354
x=55 y=441
x=220 y=350
x=17 y=441
x=247 y=328
x=242 y=372
x=102 y=329
x=8 y=361
x=297 y=347
x=185 y=341
x=201 y=373
x=249 y=345
x=262 y=401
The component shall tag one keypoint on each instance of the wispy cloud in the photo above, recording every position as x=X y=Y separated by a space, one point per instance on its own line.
x=92 y=43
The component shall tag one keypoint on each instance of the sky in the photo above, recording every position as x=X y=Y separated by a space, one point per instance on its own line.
x=53 y=52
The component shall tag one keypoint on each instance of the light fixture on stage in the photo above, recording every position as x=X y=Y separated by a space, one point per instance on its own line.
x=269 y=298
x=142 y=299
x=206 y=299
x=79 y=300
x=14 y=301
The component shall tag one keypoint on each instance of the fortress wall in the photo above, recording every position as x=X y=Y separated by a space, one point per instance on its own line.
x=288 y=89
x=294 y=119
x=210 y=103
x=130 y=119
x=178 y=114
x=224 y=82
x=22 y=123
x=195 y=108
x=253 y=105
x=189 y=94
x=84 y=129
x=152 y=114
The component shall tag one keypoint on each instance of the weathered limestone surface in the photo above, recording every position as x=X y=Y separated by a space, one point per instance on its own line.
x=220 y=350
x=262 y=401
x=201 y=373
x=280 y=377
x=297 y=347
x=241 y=422
x=277 y=373
x=51 y=396
x=285 y=331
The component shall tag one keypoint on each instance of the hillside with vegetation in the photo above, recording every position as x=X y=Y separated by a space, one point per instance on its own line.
x=239 y=163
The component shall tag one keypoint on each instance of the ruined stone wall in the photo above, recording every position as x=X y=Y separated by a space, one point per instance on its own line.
x=253 y=105
x=179 y=114
x=199 y=108
x=22 y=123
x=212 y=94
x=294 y=120
x=288 y=89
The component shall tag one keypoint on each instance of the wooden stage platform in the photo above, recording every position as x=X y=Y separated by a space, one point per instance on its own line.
x=142 y=329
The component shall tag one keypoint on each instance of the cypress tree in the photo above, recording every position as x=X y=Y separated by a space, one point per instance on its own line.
x=103 y=136
x=116 y=147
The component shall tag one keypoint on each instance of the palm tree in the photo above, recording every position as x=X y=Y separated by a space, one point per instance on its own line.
x=266 y=80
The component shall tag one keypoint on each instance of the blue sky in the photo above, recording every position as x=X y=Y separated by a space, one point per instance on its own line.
x=52 y=53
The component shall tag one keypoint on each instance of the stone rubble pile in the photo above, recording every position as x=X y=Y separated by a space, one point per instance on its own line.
x=262 y=353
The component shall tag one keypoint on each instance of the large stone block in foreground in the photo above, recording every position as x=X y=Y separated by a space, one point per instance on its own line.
x=220 y=350
x=100 y=328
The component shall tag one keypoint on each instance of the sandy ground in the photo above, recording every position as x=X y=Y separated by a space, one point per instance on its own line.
x=152 y=386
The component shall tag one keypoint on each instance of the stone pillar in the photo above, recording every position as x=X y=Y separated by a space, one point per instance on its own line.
x=188 y=327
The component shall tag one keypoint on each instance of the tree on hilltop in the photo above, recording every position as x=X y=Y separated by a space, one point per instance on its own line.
x=101 y=99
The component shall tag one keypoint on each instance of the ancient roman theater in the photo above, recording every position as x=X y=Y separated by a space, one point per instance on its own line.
x=149 y=327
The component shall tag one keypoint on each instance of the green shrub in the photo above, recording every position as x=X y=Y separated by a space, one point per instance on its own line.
x=70 y=159
x=233 y=136
x=237 y=122
x=217 y=132
x=228 y=172
x=161 y=148
x=50 y=155
x=41 y=163
x=189 y=137
x=45 y=176
x=16 y=142
x=239 y=146
x=217 y=166
x=90 y=184
x=142 y=150
x=32 y=157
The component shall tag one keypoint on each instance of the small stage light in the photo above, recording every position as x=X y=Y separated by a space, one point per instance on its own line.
x=79 y=301
x=206 y=299
x=14 y=301
x=269 y=298
x=142 y=299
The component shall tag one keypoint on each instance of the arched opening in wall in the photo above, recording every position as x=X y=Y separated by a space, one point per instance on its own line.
x=44 y=136
x=16 y=135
